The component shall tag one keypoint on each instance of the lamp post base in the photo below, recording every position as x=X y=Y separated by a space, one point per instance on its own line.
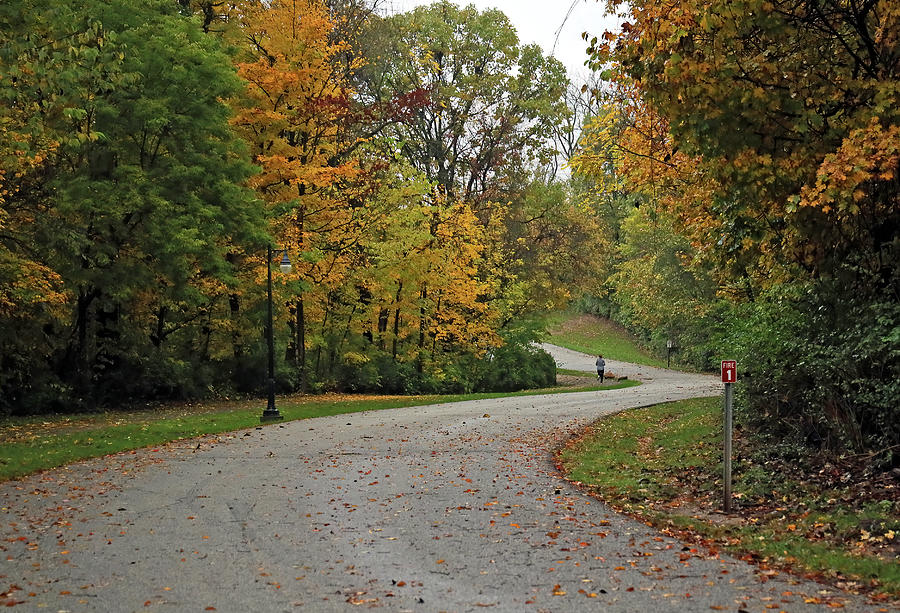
x=272 y=415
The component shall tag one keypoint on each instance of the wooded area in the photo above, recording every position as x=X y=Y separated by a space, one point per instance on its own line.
x=732 y=188
x=749 y=154
x=151 y=150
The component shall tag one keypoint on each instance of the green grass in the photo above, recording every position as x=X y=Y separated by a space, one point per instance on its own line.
x=635 y=452
x=663 y=464
x=33 y=444
x=596 y=336
x=585 y=374
x=51 y=443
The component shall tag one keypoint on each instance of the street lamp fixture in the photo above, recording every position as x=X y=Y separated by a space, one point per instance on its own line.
x=285 y=265
x=271 y=413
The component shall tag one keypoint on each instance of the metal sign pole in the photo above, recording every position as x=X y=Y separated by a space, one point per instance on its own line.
x=728 y=418
x=729 y=377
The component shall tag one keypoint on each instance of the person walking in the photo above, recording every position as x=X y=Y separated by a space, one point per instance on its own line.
x=601 y=367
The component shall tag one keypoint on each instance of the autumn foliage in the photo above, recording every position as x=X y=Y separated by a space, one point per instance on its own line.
x=151 y=152
x=766 y=134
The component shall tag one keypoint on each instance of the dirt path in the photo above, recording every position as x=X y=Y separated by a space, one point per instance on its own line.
x=452 y=507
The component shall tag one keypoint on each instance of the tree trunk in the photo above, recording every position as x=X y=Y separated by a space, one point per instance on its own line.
x=206 y=334
x=346 y=333
x=437 y=311
x=420 y=366
x=300 y=315
x=78 y=351
x=396 y=323
x=159 y=334
x=234 y=306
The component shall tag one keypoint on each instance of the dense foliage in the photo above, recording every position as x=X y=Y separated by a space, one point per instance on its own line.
x=122 y=200
x=733 y=190
x=149 y=151
x=759 y=140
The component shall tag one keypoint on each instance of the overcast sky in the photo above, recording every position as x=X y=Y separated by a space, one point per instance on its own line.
x=537 y=21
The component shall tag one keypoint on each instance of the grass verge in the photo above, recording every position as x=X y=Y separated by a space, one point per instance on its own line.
x=662 y=464
x=34 y=444
x=581 y=374
x=597 y=336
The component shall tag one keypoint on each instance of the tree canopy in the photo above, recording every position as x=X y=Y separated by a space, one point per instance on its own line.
x=766 y=134
x=130 y=199
x=730 y=184
x=150 y=151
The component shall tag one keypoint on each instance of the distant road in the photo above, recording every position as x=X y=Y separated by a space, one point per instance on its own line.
x=452 y=507
x=575 y=360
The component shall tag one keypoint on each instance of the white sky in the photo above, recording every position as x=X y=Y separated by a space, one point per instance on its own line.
x=537 y=21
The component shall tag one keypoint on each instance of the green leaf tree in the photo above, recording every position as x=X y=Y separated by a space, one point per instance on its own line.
x=492 y=103
x=137 y=204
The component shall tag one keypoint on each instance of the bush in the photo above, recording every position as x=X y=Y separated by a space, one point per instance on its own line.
x=823 y=369
x=250 y=372
x=515 y=367
x=381 y=373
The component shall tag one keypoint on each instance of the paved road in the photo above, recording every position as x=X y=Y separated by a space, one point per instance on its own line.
x=441 y=508
x=574 y=360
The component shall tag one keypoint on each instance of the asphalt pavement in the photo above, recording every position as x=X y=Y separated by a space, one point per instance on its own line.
x=453 y=507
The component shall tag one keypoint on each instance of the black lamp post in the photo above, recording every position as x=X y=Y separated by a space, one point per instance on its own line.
x=271 y=413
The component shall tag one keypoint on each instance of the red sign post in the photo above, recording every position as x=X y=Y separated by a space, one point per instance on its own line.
x=729 y=371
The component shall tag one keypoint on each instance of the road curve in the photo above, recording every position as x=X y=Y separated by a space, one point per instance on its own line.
x=453 y=507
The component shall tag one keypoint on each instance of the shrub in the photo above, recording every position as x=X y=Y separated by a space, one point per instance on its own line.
x=824 y=369
x=514 y=367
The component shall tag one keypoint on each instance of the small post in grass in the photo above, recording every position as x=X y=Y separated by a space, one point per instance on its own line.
x=729 y=378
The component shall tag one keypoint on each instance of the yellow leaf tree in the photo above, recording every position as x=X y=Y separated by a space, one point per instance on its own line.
x=294 y=116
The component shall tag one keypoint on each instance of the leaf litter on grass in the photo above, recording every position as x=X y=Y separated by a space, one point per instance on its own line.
x=27 y=429
x=833 y=520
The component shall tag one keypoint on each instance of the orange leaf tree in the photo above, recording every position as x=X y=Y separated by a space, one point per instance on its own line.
x=787 y=114
x=336 y=199
x=485 y=137
x=792 y=108
x=293 y=116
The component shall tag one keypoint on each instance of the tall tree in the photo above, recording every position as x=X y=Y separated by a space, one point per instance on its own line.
x=486 y=137
x=136 y=203
x=492 y=103
x=793 y=108
x=785 y=115
x=301 y=123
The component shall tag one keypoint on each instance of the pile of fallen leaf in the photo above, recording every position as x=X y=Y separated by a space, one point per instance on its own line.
x=563 y=380
x=839 y=484
x=814 y=485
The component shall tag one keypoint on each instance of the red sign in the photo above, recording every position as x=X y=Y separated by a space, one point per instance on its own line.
x=729 y=371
